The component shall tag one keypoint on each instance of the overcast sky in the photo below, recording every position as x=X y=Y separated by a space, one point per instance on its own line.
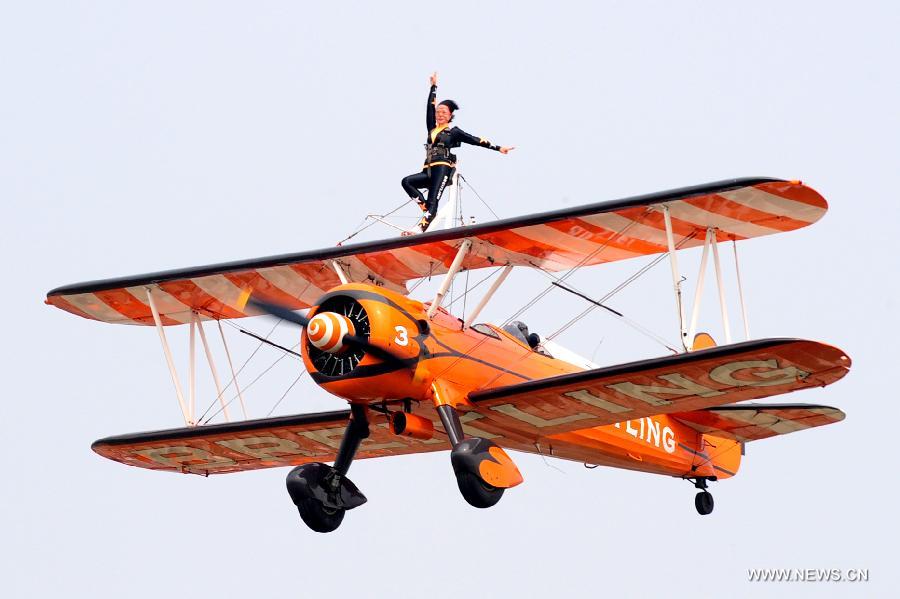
x=143 y=136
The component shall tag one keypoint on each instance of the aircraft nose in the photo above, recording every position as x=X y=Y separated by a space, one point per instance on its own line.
x=326 y=331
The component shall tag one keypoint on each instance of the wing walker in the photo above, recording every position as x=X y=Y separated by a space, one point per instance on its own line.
x=419 y=379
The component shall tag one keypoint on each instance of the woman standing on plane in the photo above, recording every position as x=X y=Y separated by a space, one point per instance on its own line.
x=440 y=163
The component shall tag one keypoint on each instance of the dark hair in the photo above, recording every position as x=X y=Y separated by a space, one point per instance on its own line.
x=453 y=106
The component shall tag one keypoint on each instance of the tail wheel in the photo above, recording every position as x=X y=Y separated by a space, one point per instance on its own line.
x=477 y=492
x=704 y=503
x=319 y=517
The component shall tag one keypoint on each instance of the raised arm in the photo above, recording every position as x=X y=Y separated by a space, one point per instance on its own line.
x=429 y=108
x=481 y=142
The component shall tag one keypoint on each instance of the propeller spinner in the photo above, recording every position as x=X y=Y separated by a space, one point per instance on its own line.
x=326 y=331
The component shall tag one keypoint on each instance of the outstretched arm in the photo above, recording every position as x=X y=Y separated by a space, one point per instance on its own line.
x=482 y=142
x=429 y=108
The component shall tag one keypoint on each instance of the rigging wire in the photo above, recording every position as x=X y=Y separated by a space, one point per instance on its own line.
x=251 y=383
x=239 y=370
x=643 y=270
x=363 y=228
x=568 y=274
x=490 y=275
x=423 y=279
x=478 y=195
x=283 y=395
x=538 y=297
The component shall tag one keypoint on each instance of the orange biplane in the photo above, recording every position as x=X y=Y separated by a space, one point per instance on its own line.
x=419 y=379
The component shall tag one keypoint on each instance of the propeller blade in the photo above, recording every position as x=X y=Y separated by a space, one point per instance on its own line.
x=280 y=312
x=276 y=310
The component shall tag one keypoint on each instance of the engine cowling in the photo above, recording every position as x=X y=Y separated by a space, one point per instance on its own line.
x=384 y=318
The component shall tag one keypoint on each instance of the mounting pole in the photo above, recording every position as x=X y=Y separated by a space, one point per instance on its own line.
x=448 y=279
x=721 y=284
x=212 y=368
x=340 y=272
x=231 y=366
x=676 y=277
x=737 y=270
x=487 y=296
x=169 y=361
x=698 y=292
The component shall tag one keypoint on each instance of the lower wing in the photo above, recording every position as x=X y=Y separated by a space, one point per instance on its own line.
x=751 y=422
x=253 y=444
x=674 y=384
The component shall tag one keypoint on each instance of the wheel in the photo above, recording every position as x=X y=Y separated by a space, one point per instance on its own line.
x=318 y=517
x=704 y=503
x=477 y=492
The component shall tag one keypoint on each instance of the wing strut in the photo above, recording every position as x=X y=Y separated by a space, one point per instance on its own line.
x=448 y=278
x=676 y=277
x=740 y=286
x=710 y=241
x=487 y=296
x=721 y=284
x=340 y=272
x=698 y=291
x=212 y=368
x=169 y=361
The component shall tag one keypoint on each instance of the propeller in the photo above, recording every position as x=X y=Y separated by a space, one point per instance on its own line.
x=289 y=315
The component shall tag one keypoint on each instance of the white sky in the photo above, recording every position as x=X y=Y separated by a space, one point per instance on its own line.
x=143 y=136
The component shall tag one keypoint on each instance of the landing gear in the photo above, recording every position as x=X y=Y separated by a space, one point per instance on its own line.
x=483 y=470
x=703 y=501
x=323 y=493
x=319 y=517
x=476 y=492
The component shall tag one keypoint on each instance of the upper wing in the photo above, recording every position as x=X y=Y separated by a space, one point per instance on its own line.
x=558 y=240
x=253 y=444
x=680 y=383
x=750 y=422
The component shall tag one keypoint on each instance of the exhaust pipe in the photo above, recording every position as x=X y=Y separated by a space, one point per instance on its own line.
x=410 y=425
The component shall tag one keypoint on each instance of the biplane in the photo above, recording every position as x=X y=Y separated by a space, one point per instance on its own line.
x=419 y=379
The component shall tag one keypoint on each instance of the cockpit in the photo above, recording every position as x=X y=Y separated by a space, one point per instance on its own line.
x=519 y=330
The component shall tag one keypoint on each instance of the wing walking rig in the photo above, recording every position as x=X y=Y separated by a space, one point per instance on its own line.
x=417 y=379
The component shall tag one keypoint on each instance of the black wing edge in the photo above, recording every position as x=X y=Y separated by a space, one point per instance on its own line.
x=243 y=426
x=762 y=406
x=628 y=368
x=399 y=242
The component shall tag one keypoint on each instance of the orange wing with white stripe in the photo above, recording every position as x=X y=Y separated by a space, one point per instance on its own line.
x=559 y=240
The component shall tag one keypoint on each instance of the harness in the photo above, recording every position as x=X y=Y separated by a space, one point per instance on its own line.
x=434 y=153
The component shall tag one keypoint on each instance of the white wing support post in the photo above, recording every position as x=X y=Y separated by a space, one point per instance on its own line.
x=676 y=277
x=487 y=296
x=188 y=421
x=340 y=272
x=711 y=242
x=215 y=373
x=448 y=278
x=698 y=292
x=721 y=284
x=740 y=286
